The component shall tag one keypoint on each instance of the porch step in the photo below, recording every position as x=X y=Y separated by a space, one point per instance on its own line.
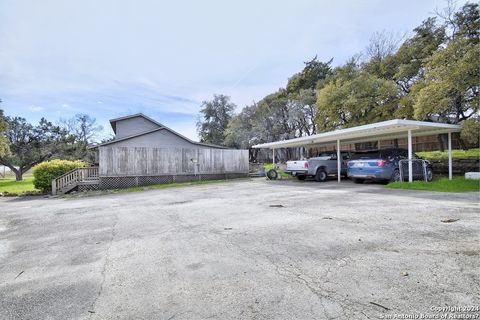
x=67 y=188
x=74 y=178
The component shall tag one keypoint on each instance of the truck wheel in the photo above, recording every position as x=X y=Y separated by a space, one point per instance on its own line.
x=272 y=174
x=321 y=175
x=301 y=177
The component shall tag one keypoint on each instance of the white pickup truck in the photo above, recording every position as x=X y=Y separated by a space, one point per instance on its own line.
x=318 y=167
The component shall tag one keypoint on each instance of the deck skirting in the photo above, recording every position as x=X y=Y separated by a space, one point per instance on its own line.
x=106 y=183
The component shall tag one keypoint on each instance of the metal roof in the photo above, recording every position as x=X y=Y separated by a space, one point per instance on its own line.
x=113 y=122
x=385 y=130
x=161 y=127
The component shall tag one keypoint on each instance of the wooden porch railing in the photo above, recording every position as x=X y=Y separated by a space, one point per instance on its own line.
x=71 y=179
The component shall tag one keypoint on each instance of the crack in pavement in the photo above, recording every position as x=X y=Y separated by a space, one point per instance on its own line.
x=105 y=265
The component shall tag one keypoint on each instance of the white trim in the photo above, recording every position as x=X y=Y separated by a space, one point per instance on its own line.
x=410 y=153
x=450 y=173
x=339 y=161
x=391 y=128
x=273 y=158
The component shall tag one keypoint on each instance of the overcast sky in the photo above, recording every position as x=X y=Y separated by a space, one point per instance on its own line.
x=110 y=58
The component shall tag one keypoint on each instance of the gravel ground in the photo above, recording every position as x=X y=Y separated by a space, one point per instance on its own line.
x=246 y=249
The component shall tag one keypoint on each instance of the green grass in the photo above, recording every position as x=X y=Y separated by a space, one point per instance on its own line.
x=438 y=155
x=269 y=166
x=457 y=184
x=9 y=185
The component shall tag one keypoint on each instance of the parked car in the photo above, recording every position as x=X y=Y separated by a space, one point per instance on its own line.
x=319 y=167
x=383 y=165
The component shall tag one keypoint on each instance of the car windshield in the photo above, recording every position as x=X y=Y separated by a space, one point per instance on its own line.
x=366 y=155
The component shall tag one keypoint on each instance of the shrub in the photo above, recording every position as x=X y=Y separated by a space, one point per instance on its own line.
x=45 y=172
x=470 y=130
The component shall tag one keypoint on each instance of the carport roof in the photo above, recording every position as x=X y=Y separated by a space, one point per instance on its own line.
x=391 y=129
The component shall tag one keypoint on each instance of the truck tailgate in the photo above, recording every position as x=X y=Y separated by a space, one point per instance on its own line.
x=297 y=165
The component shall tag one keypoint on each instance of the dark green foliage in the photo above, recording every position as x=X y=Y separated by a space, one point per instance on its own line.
x=407 y=63
x=4 y=149
x=285 y=114
x=214 y=119
x=45 y=172
x=471 y=131
x=432 y=75
x=81 y=131
x=313 y=72
x=466 y=22
x=30 y=145
x=357 y=99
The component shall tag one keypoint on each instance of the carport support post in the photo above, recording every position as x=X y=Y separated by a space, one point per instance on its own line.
x=449 y=156
x=410 y=173
x=339 y=161
x=273 y=158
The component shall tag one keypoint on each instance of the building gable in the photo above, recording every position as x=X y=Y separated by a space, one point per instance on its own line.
x=157 y=139
x=139 y=130
x=133 y=125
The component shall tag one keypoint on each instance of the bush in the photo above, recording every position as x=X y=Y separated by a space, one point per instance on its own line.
x=470 y=130
x=45 y=172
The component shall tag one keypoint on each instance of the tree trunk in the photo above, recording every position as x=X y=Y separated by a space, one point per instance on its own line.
x=253 y=154
x=18 y=175
x=441 y=144
x=462 y=143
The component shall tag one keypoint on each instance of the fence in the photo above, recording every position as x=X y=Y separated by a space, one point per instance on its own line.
x=419 y=169
x=142 y=161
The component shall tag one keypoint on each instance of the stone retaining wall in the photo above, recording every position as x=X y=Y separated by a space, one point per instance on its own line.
x=459 y=166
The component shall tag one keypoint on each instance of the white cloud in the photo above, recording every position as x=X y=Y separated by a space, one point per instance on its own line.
x=35 y=108
x=187 y=129
x=158 y=57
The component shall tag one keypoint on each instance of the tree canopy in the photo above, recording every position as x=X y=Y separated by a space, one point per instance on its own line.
x=432 y=75
x=213 y=122
x=30 y=144
x=81 y=131
x=4 y=148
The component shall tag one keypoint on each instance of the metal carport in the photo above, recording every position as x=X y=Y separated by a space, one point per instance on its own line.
x=385 y=130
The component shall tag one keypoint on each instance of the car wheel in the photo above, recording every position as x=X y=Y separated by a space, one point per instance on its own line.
x=321 y=175
x=301 y=177
x=395 y=176
x=429 y=174
x=358 y=180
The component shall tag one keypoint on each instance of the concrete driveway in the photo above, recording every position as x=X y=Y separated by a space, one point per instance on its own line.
x=249 y=249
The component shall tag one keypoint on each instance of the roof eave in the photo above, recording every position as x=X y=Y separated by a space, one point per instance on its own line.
x=113 y=122
x=343 y=134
